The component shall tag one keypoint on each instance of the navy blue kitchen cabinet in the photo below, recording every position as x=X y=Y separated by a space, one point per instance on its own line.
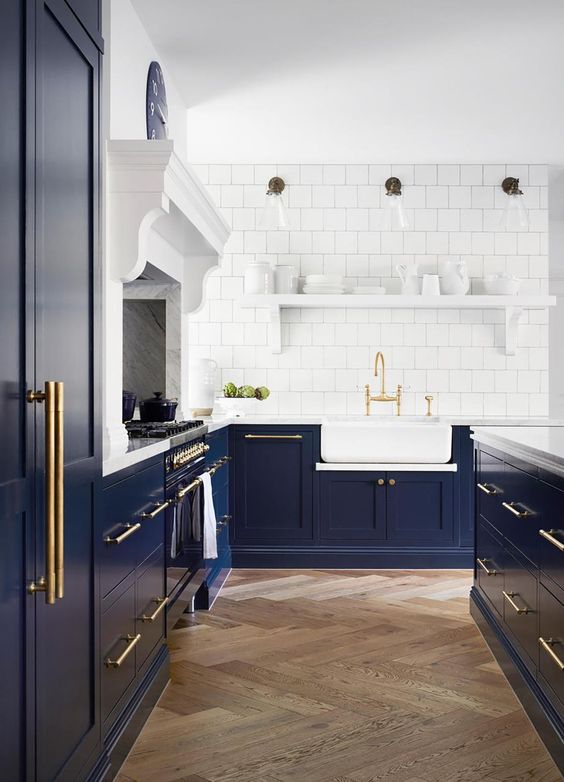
x=352 y=506
x=273 y=477
x=420 y=508
x=51 y=455
x=517 y=599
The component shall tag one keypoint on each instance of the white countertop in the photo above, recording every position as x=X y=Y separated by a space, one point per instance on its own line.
x=140 y=450
x=542 y=446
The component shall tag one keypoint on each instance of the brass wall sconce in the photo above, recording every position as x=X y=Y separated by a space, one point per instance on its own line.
x=274 y=215
x=515 y=214
x=393 y=192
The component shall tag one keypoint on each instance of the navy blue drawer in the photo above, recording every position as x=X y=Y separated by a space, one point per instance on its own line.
x=151 y=613
x=551 y=534
x=118 y=633
x=490 y=488
x=521 y=605
x=489 y=565
x=551 y=647
x=123 y=505
x=521 y=509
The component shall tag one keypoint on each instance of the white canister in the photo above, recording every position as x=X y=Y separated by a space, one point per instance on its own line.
x=201 y=385
x=285 y=279
x=430 y=285
x=259 y=278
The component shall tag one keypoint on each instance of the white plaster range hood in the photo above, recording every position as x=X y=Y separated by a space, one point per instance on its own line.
x=159 y=212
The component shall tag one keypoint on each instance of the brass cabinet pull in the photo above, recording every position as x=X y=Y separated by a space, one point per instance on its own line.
x=380 y=481
x=486 y=489
x=392 y=482
x=549 y=535
x=161 y=603
x=223 y=522
x=482 y=564
x=47 y=583
x=132 y=641
x=130 y=529
x=60 y=489
x=509 y=597
x=156 y=511
x=547 y=646
x=510 y=506
x=273 y=437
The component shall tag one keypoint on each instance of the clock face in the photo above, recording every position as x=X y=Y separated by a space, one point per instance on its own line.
x=156 y=108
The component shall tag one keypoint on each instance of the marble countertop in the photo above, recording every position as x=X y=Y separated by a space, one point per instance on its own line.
x=542 y=445
x=140 y=450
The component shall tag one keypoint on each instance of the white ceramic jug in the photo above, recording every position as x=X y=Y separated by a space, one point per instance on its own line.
x=454 y=280
x=259 y=278
x=201 y=386
x=409 y=279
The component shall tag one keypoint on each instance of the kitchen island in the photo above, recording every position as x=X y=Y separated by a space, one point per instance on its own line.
x=517 y=599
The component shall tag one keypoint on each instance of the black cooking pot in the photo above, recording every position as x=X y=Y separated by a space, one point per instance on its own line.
x=128 y=402
x=158 y=409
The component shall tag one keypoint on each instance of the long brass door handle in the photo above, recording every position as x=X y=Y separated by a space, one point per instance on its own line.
x=510 y=506
x=156 y=511
x=482 y=564
x=547 y=645
x=130 y=529
x=509 y=597
x=549 y=535
x=132 y=641
x=273 y=437
x=60 y=489
x=490 y=491
x=47 y=583
x=161 y=603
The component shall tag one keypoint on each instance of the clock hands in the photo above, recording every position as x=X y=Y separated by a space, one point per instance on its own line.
x=163 y=118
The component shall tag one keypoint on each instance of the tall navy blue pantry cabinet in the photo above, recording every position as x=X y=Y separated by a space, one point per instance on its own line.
x=50 y=447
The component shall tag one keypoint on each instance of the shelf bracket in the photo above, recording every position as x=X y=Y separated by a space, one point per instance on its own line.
x=275 y=330
x=512 y=320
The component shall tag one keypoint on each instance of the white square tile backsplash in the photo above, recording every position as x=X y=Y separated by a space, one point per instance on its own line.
x=339 y=225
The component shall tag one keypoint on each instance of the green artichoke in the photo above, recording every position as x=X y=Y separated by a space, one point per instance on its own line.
x=230 y=390
x=262 y=392
x=245 y=392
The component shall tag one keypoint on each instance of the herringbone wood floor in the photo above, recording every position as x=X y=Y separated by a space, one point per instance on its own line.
x=337 y=676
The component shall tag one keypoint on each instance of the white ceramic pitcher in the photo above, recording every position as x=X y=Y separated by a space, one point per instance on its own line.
x=409 y=279
x=454 y=280
x=201 y=385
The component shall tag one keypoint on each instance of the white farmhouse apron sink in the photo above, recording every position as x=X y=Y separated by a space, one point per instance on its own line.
x=377 y=441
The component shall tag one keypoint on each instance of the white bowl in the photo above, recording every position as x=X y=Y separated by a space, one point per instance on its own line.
x=502 y=286
x=237 y=407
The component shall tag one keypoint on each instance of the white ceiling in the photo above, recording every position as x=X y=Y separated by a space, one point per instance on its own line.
x=365 y=80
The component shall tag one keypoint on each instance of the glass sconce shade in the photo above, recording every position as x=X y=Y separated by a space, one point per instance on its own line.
x=274 y=214
x=399 y=217
x=515 y=214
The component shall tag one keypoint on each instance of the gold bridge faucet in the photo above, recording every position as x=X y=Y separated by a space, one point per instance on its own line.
x=382 y=396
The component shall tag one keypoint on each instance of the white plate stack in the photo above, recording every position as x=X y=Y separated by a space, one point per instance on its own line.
x=324 y=283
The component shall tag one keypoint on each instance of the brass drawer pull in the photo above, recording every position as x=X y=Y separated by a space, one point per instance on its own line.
x=130 y=529
x=223 y=522
x=482 y=564
x=156 y=511
x=547 y=646
x=132 y=641
x=273 y=437
x=549 y=535
x=509 y=597
x=161 y=603
x=510 y=506
x=486 y=489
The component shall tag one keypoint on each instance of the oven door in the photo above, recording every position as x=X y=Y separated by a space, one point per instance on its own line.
x=184 y=556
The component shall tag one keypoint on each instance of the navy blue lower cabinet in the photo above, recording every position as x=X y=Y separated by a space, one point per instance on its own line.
x=352 y=506
x=420 y=507
x=516 y=600
x=273 y=474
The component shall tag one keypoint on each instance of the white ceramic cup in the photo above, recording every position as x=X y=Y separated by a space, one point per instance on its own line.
x=285 y=279
x=430 y=285
x=259 y=278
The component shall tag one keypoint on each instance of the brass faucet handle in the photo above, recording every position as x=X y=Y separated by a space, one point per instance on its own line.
x=429 y=398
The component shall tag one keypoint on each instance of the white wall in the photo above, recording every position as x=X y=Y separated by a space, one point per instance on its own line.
x=130 y=53
x=338 y=226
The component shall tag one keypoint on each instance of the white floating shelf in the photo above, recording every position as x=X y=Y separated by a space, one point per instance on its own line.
x=513 y=306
